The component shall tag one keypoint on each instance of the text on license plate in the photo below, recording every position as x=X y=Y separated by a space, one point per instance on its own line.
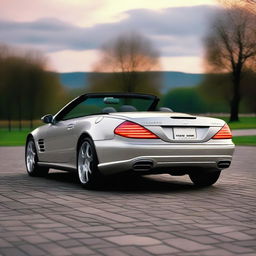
x=184 y=133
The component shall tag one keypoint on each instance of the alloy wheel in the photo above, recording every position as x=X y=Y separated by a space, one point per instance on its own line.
x=31 y=156
x=85 y=159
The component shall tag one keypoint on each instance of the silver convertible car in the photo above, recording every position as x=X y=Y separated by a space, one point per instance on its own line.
x=99 y=134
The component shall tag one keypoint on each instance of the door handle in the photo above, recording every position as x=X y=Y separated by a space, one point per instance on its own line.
x=70 y=126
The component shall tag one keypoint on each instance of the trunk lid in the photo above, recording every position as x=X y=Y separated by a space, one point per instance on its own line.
x=175 y=127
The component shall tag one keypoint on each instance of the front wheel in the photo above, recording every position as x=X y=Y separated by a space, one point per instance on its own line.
x=87 y=164
x=31 y=160
x=204 y=178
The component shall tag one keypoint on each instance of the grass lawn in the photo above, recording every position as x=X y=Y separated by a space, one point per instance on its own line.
x=245 y=140
x=13 y=138
x=17 y=138
x=245 y=122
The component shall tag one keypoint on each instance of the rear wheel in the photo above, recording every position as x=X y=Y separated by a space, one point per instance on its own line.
x=31 y=160
x=87 y=164
x=205 y=178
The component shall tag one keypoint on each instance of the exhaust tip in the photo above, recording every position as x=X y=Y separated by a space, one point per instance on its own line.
x=223 y=164
x=143 y=165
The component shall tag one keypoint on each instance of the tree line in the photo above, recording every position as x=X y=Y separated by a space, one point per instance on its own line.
x=230 y=58
x=27 y=89
x=230 y=47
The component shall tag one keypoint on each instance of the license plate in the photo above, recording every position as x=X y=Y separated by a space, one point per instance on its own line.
x=184 y=133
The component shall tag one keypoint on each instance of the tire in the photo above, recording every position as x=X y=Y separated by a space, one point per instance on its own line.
x=31 y=160
x=205 y=178
x=87 y=164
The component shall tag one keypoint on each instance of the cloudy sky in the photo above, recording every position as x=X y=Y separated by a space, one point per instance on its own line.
x=69 y=32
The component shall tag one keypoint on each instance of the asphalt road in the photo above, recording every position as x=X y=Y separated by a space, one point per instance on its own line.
x=244 y=132
x=155 y=215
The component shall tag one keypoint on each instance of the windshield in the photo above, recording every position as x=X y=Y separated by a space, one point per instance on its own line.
x=92 y=104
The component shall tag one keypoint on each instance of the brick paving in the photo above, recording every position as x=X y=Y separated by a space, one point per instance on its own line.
x=154 y=215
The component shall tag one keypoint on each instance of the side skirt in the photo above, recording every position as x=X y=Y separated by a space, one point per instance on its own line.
x=64 y=167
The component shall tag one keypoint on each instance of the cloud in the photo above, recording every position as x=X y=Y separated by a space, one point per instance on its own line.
x=174 y=31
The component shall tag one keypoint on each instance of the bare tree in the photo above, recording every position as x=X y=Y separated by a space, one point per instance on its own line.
x=231 y=47
x=249 y=5
x=128 y=61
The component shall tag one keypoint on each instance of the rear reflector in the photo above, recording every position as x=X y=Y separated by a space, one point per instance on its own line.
x=223 y=133
x=132 y=130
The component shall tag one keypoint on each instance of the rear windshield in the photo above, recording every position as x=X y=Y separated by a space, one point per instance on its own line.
x=108 y=104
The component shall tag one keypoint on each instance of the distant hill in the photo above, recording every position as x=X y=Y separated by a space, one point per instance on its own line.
x=179 y=79
x=75 y=80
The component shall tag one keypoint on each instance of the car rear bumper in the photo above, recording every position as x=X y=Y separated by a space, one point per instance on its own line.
x=120 y=155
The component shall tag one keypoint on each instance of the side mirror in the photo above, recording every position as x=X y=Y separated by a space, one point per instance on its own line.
x=47 y=119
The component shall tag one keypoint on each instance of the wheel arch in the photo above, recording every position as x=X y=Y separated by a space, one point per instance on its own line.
x=85 y=135
x=80 y=139
x=29 y=136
